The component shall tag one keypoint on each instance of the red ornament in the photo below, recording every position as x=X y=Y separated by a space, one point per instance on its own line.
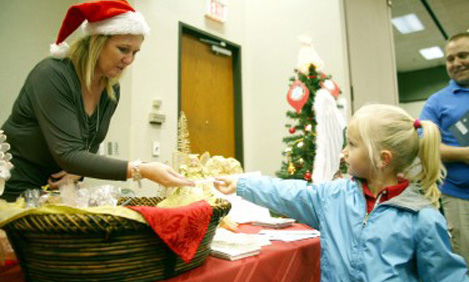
x=292 y=130
x=298 y=95
x=307 y=176
x=330 y=85
x=323 y=75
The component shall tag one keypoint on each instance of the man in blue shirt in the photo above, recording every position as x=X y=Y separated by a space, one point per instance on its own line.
x=446 y=108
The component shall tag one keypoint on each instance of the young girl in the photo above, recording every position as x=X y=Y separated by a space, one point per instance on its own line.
x=376 y=226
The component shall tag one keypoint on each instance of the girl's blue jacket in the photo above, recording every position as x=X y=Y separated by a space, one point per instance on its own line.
x=403 y=239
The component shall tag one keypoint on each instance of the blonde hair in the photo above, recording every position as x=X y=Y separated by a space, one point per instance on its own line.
x=84 y=54
x=385 y=127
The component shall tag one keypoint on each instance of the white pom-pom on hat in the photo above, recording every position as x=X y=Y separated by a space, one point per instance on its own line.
x=99 y=17
x=59 y=50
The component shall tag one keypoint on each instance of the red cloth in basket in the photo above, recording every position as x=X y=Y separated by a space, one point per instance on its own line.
x=181 y=228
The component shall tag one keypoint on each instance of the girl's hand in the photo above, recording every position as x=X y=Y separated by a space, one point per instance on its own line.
x=226 y=184
x=229 y=224
x=163 y=174
x=62 y=178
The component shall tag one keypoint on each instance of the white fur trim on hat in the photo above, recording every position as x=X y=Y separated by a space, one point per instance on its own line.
x=59 y=51
x=126 y=23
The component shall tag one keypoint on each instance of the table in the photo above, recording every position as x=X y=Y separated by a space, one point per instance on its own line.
x=296 y=261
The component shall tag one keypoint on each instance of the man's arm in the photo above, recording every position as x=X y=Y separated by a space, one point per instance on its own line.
x=454 y=154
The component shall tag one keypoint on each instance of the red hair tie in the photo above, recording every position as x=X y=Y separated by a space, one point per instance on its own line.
x=417 y=123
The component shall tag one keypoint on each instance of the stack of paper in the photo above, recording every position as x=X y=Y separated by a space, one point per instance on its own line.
x=233 y=246
x=289 y=235
x=230 y=253
x=274 y=222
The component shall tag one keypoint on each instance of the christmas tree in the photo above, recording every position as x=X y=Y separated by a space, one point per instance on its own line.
x=301 y=150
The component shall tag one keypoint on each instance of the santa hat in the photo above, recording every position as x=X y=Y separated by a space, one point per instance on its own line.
x=108 y=17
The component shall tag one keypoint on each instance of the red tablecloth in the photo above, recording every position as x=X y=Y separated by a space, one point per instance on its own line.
x=296 y=261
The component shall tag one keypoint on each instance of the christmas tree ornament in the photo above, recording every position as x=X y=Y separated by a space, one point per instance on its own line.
x=287 y=150
x=298 y=95
x=330 y=85
x=291 y=168
x=323 y=75
x=300 y=163
x=300 y=144
x=307 y=175
x=308 y=56
x=292 y=130
x=308 y=128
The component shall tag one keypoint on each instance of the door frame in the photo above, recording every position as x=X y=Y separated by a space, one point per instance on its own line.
x=237 y=85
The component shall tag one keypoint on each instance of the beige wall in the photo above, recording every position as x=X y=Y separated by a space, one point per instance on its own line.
x=271 y=47
x=155 y=72
x=266 y=31
x=27 y=27
x=267 y=35
x=371 y=52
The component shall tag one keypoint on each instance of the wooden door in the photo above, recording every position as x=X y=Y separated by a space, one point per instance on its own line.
x=207 y=97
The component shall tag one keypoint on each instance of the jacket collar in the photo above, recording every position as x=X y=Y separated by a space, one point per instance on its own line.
x=411 y=198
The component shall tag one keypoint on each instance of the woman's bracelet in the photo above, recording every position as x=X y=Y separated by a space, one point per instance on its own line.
x=136 y=175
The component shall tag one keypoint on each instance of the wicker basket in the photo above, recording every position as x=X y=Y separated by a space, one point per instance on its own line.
x=94 y=247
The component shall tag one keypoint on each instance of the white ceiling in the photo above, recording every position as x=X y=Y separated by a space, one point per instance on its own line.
x=453 y=16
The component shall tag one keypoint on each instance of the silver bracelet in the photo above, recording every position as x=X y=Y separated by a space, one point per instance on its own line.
x=136 y=175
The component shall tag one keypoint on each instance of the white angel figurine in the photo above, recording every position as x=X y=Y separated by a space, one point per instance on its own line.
x=329 y=136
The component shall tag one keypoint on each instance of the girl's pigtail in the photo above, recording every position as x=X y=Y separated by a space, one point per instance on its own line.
x=433 y=170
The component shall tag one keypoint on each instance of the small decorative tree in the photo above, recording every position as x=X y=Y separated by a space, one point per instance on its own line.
x=184 y=144
x=311 y=115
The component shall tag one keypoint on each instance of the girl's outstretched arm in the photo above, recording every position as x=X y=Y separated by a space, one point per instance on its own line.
x=294 y=198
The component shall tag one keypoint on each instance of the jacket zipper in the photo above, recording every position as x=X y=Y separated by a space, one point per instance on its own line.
x=367 y=215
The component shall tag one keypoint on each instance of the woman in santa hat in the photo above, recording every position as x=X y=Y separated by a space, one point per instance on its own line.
x=63 y=110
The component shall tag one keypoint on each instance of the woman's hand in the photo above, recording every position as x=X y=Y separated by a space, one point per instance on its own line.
x=226 y=184
x=163 y=174
x=62 y=178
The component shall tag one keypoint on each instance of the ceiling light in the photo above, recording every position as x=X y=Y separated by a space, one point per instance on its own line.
x=408 y=24
x=431 y=53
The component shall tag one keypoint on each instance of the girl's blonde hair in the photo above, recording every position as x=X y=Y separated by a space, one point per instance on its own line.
x=385 y=127
x=84 y=54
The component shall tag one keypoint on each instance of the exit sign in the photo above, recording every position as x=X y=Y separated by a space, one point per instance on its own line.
x=217 y=10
